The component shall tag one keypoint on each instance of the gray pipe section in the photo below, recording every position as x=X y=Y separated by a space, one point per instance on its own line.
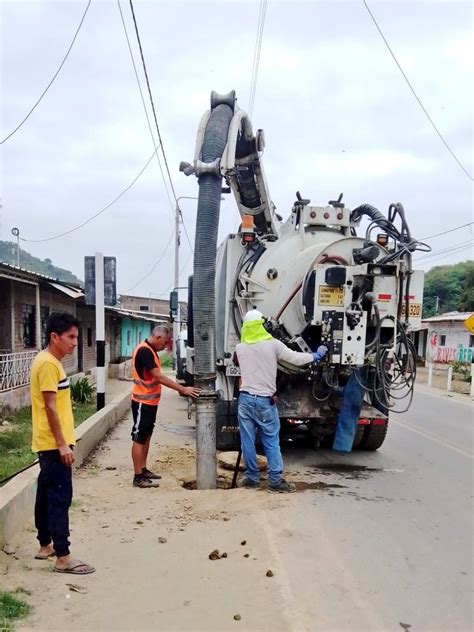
x=204 y=300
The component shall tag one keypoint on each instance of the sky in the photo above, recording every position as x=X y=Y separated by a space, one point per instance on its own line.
x=337 y=113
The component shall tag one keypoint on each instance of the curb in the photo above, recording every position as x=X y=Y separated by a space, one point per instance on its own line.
x=17 y=498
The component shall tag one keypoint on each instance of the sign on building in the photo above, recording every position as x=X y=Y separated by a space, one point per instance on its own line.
x=110 y=280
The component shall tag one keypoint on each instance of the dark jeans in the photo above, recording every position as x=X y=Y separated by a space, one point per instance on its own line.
x=53 y=499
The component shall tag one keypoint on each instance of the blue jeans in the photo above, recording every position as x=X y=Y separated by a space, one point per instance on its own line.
x=258 y=414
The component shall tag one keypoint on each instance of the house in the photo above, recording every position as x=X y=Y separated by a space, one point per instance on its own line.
x=26 y=300
x=156 y=306
x=448 y=339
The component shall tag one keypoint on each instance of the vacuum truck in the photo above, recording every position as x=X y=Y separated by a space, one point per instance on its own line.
x=315 y=279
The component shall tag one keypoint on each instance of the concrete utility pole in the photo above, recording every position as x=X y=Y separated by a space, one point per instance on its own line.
x=177 y=243
x=100 y=328
x=16 y=233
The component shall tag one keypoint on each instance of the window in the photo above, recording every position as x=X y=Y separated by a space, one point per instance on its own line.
x=144 y=308
x=442 y=340
x=128 y=337
x=44 y=320
x=471 y=341
x=28 y=326
x=89 y=336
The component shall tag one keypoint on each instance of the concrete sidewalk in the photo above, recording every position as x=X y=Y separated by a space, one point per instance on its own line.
x=17 y=497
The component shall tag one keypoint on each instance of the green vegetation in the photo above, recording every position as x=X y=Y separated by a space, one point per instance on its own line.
x=12 y=608
x=166 y=360
x=29 y=262
x=462 y=370
x=82 y=391
x=15 y=441
x=454 y=287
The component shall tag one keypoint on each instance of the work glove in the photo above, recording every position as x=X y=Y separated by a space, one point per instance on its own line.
x=320 y=353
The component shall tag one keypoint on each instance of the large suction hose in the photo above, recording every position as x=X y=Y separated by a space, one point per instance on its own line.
x=210 y=184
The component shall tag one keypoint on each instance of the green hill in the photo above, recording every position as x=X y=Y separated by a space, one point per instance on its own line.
x=27 y=261
x=454 y=287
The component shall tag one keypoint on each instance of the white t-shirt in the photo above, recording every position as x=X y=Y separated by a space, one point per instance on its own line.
x=258 y=364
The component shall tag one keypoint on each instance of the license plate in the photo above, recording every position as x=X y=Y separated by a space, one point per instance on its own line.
x=329 y=295
x=414 y=310
x=232 y=371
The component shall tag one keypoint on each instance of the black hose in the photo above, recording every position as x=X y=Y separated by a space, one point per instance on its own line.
x=207 y=223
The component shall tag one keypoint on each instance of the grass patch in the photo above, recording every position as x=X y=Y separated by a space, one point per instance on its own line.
x=15 y=443
x=166 y=360
x=11 y=609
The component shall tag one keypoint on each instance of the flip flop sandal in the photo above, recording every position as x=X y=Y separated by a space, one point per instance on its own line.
x=45 y=557
x=74 y=569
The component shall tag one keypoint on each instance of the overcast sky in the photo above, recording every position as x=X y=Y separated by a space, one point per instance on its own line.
x=337 y=114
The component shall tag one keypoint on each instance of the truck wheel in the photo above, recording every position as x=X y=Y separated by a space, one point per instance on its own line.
x=359 y=434
x=374 y=436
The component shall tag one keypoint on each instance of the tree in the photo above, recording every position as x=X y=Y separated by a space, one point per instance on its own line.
x=453 y=285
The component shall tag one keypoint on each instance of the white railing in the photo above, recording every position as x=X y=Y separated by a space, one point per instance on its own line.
x=15 y=369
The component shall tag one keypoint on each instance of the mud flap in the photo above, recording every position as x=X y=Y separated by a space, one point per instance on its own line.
x=227 y=426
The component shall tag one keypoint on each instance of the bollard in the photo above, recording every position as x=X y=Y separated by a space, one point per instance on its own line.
x=430 y=374
x=472 y=380
x=450 y=378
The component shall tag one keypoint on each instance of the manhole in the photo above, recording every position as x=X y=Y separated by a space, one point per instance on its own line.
x=222 y=483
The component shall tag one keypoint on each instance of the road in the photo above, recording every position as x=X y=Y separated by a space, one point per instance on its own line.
x=373 y=541
x=394 y=546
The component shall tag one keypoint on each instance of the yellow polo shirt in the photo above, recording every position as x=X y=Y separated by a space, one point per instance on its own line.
x=47 y=374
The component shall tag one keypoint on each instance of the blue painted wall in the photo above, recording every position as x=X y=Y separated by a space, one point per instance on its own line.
x=133 y=332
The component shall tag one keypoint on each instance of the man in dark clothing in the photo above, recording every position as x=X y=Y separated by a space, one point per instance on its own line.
x=146 y=393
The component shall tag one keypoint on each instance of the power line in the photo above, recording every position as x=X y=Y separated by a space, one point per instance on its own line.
x=415 y=94
x=256 y=55
x=151 y=98
x=71 y=230
x=445 y=232
x=444 y=256
x=154 y=115
x=144 y=106
x=180 y=273
x=461 y=246
x=152 y=269
x=52 y=80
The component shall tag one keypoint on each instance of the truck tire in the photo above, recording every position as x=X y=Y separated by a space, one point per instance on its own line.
x=359 y=435
x=374 y=436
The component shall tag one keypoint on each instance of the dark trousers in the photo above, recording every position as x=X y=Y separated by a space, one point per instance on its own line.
x=53 y=499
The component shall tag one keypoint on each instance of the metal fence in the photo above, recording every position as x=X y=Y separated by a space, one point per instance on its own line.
x=15 y=369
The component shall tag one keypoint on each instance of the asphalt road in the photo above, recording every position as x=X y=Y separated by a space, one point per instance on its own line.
x=392 y=548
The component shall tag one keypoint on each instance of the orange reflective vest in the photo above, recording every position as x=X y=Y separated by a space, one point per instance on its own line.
x=146 y=390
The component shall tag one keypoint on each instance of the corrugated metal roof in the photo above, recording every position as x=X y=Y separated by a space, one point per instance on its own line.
x=37 y=275
x=72 y=292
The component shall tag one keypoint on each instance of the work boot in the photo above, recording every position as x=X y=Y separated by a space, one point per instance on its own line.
x=141 y=481
x=151 y=475
x=282 y=488
x=249 y=484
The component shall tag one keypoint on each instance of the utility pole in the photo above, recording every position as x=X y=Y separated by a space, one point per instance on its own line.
x=100 y=328
x=437 y=305
x=16 y=233
x=177 y=243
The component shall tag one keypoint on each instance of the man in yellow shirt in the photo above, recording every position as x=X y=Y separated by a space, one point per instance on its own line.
x=53 y=440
